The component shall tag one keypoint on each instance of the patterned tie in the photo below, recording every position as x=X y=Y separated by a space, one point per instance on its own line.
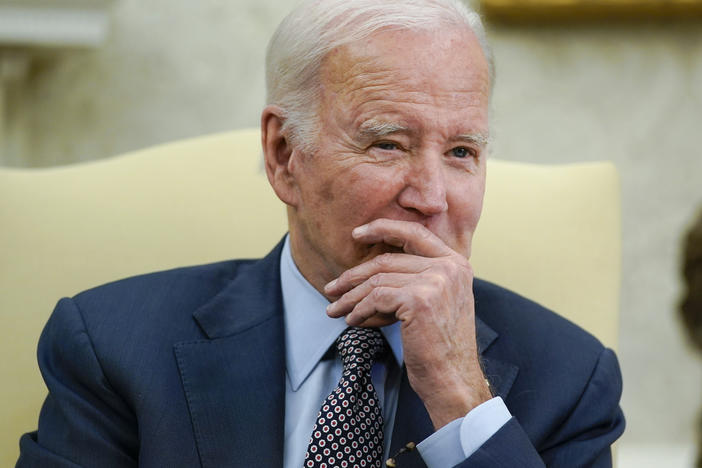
x=349 y=427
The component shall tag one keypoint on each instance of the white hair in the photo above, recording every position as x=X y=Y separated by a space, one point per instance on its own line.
x=302 y=40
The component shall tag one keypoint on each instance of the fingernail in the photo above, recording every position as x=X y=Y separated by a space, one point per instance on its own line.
x=330 y=285
x=360 y=230
x=330 y=308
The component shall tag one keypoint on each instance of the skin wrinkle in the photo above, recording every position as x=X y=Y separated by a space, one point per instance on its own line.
x=376 y=129
x=382 y=104
x=407 y=126
x=352 y=82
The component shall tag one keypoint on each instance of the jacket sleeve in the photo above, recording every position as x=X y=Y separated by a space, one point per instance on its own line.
x=583 y=439
x=83 y=422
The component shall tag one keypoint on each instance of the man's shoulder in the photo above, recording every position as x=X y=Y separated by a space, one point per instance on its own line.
x=562 y=374
x=164 y=300
x=533 y=337
x=506 y=311
x=198 y=280
x=151 y=312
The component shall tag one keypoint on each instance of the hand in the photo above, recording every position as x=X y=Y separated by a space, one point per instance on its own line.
x=429 y=288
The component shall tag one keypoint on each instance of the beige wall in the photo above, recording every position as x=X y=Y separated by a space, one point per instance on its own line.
x=632 y=94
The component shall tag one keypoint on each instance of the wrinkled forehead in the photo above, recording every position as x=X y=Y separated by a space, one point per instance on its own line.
x=445 y=58
x=442 y=74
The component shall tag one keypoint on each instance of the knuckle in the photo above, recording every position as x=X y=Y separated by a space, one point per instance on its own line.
x=351 y=278
x=439 y=276
x=457 y=266
x=344 y=277
x=431 y=281
x=461 y=261
x=419 y=303
x=383 y=260
x=354 y=280
x=377 y=294
x=419 y=297
x=377 y=280
x=453 y=270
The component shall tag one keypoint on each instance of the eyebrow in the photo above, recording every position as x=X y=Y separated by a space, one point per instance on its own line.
x=373 y=128
x=475 y=138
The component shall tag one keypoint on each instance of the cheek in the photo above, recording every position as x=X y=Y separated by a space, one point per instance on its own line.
x=336 y=203
x=475 y=205
x=326 y=191
x=466 y=205
x=360 y=190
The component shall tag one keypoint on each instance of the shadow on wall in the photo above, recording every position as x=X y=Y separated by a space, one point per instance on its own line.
x=691 y=305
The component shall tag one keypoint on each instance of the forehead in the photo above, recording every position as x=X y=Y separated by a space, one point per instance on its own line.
x=442 y=71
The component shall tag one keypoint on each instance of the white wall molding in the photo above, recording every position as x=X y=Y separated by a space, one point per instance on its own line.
x=54 y=23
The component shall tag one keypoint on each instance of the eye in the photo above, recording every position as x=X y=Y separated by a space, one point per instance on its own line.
x=462 y=152
x=387 y=146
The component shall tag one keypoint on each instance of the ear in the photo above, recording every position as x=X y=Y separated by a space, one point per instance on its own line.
x=278 y=155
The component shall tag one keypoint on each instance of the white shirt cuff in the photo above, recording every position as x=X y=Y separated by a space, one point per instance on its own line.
x=460 y=438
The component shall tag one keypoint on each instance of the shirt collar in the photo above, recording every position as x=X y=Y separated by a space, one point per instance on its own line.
x=309 y=332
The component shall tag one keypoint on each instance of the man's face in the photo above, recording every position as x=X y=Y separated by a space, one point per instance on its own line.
x=403 y=124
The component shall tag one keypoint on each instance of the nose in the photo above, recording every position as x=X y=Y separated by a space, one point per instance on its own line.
x=425 y=186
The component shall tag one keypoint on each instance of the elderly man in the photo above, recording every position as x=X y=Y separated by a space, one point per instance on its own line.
x=364 y=331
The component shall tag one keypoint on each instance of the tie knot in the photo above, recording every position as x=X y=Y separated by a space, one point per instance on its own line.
x=360 y=347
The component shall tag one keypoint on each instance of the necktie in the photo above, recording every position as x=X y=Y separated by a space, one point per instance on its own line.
x=349 y=427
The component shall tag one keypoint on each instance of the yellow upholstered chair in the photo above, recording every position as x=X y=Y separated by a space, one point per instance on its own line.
x=548 y=232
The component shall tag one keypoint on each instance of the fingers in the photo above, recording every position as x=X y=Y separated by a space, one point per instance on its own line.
x=416 y=240
x=384 y=300
x=378 y=288
x=351 y=299
x=412 y=237
x=384 y=263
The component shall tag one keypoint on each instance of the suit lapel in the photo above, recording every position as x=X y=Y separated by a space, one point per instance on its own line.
x=234 y=381
x=499 y=374
x=412 y=421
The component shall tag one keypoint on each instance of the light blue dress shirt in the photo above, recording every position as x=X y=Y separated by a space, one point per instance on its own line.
x=309 y=333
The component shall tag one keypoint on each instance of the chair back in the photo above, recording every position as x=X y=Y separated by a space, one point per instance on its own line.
x=550 y=233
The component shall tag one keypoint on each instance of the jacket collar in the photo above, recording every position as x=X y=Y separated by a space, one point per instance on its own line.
x=253 y=297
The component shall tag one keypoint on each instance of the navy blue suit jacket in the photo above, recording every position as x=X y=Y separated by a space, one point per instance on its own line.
x=186 y=368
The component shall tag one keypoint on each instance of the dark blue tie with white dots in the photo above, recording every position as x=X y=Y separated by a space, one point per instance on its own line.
x=349 y=427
